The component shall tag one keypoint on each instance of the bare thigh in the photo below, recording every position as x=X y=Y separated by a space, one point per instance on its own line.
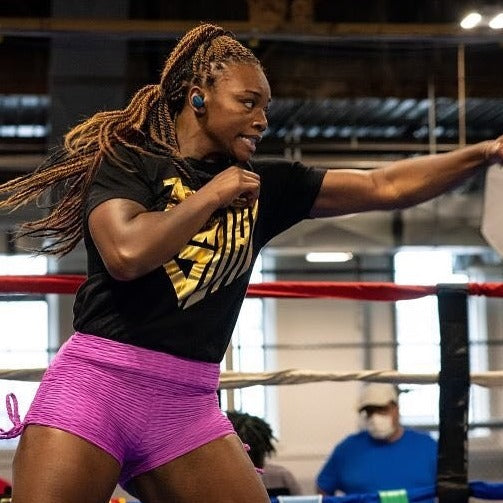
x=53 y=466
x=218 y=472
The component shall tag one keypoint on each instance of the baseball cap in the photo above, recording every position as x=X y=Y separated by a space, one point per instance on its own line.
x=377 y=395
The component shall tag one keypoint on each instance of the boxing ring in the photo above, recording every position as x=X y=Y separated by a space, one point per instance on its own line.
x=454 y=378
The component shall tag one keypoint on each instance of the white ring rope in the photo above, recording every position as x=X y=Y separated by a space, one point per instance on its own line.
x=231 y=380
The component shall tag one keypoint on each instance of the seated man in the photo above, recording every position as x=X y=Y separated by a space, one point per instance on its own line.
x=384 y=456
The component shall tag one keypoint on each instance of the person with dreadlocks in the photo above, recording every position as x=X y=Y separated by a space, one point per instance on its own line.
x=257 y=435
x=173 y=212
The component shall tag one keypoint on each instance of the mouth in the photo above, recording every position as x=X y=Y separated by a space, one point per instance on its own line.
x=251 y=141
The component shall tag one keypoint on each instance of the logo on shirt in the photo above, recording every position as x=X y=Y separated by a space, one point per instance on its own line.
x=216 y=255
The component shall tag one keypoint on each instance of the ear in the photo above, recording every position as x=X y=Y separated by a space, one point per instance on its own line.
x=196 y=100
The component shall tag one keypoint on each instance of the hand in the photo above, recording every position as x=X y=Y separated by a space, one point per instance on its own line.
x=493 y=151
x=236 y=187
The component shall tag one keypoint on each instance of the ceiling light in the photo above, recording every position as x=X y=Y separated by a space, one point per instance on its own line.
x=329 y=256
x=496 y=22
x=471 y=20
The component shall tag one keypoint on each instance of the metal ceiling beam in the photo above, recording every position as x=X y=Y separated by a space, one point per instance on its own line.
x=283 y=30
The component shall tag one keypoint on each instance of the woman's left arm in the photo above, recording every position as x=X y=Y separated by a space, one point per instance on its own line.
x=402 y=183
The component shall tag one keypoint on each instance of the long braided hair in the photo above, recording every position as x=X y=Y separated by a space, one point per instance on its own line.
x=146 y=126
x=255 y=432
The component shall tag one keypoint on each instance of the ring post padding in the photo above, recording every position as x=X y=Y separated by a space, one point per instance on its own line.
x=396 y=496
x=454 y=381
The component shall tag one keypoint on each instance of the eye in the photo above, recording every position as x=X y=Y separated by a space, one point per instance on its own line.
x=249 y=104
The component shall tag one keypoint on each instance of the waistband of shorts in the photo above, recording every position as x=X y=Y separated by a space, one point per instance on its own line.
x=143 y=361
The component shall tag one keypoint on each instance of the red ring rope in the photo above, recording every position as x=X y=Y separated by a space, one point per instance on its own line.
x=68 y=284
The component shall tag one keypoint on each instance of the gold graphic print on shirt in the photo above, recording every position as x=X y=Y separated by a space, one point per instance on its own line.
x=216 y=255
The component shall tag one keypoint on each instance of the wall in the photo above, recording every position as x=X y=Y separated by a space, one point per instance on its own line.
x=312 y=418
x=327 y=335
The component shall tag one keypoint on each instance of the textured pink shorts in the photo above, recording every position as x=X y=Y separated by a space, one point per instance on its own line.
x=143 y=407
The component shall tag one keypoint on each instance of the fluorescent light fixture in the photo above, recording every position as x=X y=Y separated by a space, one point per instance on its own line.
x=496 y=22
x=471 y=20
x=329 y=256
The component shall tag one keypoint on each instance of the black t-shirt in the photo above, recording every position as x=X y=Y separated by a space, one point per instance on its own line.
x=189 y=306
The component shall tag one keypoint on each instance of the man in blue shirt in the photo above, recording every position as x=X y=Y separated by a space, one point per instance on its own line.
x=384 y=456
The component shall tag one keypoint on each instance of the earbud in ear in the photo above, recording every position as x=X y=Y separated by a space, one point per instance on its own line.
x=198 y=101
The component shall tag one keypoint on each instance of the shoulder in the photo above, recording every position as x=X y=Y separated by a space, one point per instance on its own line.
x=351 y=446
x=290 y=175
x=358 y=436
x=129 y=174
x=122 y=155
x=270 y=162
x=273 y=165
x=274 y=468
x=135 y=158
x=419 y=437
x=352 y=440
x=127 y=165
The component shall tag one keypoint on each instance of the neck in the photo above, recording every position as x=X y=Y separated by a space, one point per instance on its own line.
x=397 y=435
x=191 y=139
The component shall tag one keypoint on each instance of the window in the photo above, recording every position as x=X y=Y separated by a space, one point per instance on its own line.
x=418 y=335
x=246 y=353
x=24 y=335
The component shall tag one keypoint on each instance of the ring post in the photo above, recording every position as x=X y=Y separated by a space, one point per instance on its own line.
x=454 y=381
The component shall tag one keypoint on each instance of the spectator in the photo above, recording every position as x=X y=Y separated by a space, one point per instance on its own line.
x=257 y=435
x=384 y=456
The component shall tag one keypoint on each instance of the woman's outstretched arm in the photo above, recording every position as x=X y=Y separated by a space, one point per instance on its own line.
x=402 y=183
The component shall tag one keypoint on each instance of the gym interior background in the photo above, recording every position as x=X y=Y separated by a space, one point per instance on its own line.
x=354 y=85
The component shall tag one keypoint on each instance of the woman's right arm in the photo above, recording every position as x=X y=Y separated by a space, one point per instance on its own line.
x=133 y=241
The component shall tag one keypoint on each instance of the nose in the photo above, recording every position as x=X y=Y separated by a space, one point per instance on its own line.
x=260 y=123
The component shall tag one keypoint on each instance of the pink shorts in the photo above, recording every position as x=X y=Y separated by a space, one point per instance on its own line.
x=143 y=407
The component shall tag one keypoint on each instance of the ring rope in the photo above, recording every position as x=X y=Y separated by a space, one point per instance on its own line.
x=232 y=380
x=365 y=290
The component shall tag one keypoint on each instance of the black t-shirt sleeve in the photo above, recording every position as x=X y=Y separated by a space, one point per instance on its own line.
x=288 y=192
x=124 y=182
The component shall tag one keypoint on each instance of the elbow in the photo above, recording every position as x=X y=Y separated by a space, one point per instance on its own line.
x=403 y=202
x=124 y=265
x=392 y=199
x=388 y=195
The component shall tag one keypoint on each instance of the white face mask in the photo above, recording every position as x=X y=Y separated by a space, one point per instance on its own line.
x=380 y=426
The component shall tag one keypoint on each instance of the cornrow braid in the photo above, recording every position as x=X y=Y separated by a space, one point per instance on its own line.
x=146 y=126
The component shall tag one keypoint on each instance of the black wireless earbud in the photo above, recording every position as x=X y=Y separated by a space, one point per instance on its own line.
x=198 y=101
